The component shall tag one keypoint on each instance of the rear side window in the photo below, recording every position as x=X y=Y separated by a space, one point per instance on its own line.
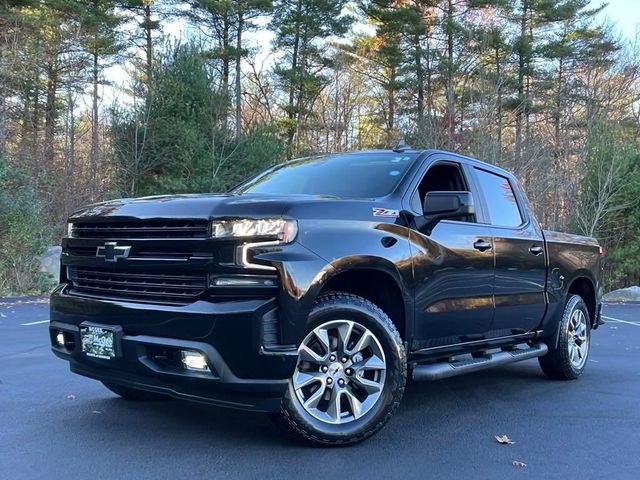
x=501 y=201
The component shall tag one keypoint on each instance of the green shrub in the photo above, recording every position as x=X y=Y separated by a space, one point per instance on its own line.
x=23 y=235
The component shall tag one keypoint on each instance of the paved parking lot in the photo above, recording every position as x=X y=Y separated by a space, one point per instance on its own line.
x=57 y=425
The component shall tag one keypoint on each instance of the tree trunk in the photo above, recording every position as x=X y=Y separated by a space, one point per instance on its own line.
x=95 y=146
x=499 y=103
x=419 y=80
x=392 y=108
x=33 y=147
x=239 y=68
x=149 y=45
x=291 y=114
x=451 y=100
x=226 y=67
x=50 y=115
x=522 y=64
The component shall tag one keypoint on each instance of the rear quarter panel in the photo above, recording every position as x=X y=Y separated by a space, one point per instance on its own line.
x=570 y=257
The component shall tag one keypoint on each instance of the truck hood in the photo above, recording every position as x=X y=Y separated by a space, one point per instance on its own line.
x=200 y=206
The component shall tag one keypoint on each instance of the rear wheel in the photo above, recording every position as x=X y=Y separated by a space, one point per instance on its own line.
x=135 y=394
x=350 y=375
x=567 y=359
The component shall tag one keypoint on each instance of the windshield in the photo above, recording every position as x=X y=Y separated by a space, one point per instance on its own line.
x=354 y=175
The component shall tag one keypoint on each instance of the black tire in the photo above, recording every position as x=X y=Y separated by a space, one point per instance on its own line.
x=135 y=394
x=302 y=425
x=557 y=364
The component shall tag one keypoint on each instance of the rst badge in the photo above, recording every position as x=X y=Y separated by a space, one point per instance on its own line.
x=385 y=212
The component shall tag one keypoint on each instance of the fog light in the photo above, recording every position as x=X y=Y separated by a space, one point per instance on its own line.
x=243 y=282
x=194 y=361
x=60 y=339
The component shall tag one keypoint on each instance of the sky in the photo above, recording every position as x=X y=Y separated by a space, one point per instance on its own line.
x=625 y=14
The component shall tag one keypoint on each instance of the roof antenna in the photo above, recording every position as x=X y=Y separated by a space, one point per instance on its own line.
x=401 y=146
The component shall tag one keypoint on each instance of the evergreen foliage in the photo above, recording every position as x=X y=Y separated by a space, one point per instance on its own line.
x=540 y=87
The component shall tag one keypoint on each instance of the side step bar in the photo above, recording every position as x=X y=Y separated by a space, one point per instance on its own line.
x=436 y=371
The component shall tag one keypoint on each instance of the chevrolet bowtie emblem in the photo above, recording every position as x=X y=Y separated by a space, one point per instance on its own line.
x=111 y=252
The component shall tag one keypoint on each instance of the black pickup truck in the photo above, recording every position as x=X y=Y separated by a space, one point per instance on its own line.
x=312 y=290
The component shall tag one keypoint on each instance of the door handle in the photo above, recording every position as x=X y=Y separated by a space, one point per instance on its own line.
x=482 y=245
x=536 y=249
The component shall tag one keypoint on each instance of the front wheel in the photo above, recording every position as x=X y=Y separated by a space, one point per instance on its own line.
x=350 y=375
x=567 y=359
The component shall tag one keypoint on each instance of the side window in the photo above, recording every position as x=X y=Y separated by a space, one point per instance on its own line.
x=441 y=177
x=501 y=201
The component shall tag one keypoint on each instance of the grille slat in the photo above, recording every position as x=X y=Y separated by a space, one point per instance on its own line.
x=143 y=230
x=137 y=284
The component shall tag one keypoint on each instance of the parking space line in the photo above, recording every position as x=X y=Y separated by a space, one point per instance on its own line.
x=637 y=324
x=35 y=323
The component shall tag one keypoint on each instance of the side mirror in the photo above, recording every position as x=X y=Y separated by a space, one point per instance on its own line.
x=439 y=206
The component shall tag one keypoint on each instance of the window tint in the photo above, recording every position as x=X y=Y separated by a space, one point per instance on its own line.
x=503 y=208
x=362 y=175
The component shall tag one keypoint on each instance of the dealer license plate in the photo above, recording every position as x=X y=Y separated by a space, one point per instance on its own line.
x=98 y=342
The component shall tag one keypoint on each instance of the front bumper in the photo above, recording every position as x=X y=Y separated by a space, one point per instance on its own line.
x=230 y=334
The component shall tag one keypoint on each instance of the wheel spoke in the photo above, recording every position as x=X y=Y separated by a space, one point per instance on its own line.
x=302 y=379
x=369 y=386
x=364 y=342
x=314 y=399
x=344 y=334
x=334 y=410
x=306 y=353
x=356 y=405
x=371 y=363
x=323 y=336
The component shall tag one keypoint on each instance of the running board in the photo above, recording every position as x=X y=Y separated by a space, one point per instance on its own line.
x=436 y=371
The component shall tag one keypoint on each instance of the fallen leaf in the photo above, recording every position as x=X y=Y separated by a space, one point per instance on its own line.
x=71 y=397
x=504 y=440
x=519 y=464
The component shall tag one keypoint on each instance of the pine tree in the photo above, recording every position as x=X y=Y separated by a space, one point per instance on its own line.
x=299 y=26
x=147 y=17
x=101 y=41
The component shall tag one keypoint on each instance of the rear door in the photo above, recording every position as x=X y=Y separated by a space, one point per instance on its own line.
x=520 y=263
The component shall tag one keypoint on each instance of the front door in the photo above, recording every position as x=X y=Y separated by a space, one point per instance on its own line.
x=454 y=284
x=453 y=269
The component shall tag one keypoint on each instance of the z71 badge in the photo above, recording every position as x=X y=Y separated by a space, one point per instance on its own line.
x=385 y=212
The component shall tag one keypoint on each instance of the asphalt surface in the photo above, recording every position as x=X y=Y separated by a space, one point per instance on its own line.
x=55 y=425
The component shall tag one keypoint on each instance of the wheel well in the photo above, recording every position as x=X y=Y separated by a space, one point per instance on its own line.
x=582 y=286
x=378 y=287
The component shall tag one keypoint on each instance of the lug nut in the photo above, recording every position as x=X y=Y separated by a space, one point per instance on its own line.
x=332 y=358
x=325 y=368
x=341 y=382
x=344 y=359
x=329 y=381
x=348 y=371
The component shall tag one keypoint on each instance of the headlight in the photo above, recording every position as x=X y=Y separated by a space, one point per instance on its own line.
x=68 y=230
x=267 y=228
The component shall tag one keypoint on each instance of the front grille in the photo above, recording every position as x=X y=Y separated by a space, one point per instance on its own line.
x=152 y=252
x=166 y=287
x=157 y=229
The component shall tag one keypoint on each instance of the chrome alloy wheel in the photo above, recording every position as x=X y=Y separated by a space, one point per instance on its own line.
x=578 y=339
x=340 y=373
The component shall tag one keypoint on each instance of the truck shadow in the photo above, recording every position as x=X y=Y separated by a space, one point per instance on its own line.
x=431 y=403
